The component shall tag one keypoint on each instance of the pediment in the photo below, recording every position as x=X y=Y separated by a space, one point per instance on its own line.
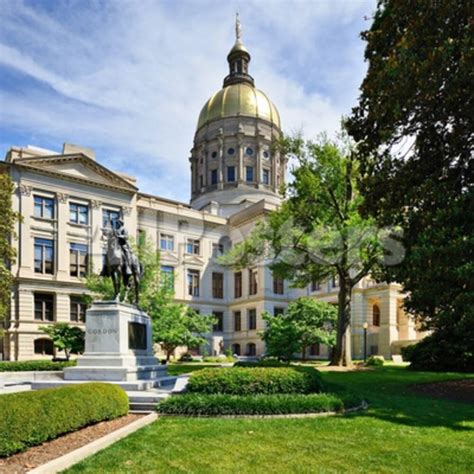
x=168 y=257
x=193 y=260
x=77 y=167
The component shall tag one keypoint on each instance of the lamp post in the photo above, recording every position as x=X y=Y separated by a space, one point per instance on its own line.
x=365 y=326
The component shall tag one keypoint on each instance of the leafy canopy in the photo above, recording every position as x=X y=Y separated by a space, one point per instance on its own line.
x=65 y=337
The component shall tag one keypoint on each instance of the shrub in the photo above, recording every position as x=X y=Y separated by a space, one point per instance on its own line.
x=186 y=357
x=375 y=361
x=218 y=360
x=30 y=418
x=270 y=362
x=33 y=365
x=198 y=404
x=247 y=381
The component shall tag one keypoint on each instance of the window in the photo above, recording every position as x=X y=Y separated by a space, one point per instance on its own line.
x=217 y=250
x=201 y=181
x=219 y=324
x=314 y=350
x=44 y=256
x=376 y=315
x=237 y=321
x=192 y=246
x=335 y=281
x=214 y=154
x=44 y=307
x=253 y=287
x=238 y=285
x=214 y=177
x=265 y=176
x=252 y=319
x=166 y=242
x=77 y=311
x=44 y=207
x=251 y=349
x=249 y=174
x=44 y=346
x=193 y=282
x=78 y=213
x=217 y=285
x=249 y=151
x=278 y=310
x=230 y=174
x=266 y=154
x=167 y=275
x=110 y=217
x=278 y=285
x=236 y=349
x=78 y=260
x=230 y=151
x=315 y=285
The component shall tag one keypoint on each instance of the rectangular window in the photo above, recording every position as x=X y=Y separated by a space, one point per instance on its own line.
x=44 y=307
x=44 y=207
x=219 y=324
x=249 y=174
x=44 y=256
x=217 y=285
x=110 y=217
x=252 y=319
x=237 y=321
x=201 y=181
x=253 y=286
x=230 y=174
x=265 y=176
x=78 y=213
x=277 y=311
x=314 y=350
x=238 y=285
x=217 y=250
x=335 y=281
x=166 y=242
x=77 y=312
x=78 y=260
x=192 y=246
x=315 y=285
x=167 y=275
x=193 y=282
x=278 y=285
x=214 y=177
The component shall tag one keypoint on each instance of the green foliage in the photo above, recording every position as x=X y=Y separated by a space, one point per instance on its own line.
x=374 y=361
x=198 y=404
x=65 y=337
x=418 y=93
x=33 y=365
x=30 y=418
x=306 y=321
x=217 y=359
x=8 y=217
x=441 y=351
x=248 y=381
x=266 y=362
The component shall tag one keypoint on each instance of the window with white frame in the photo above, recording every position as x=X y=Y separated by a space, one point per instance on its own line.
x=78 y=213
x=78 y=260
x=193 y=282
x=193 y=246
x=44 y=207
x=166 y=242
x=44 y=256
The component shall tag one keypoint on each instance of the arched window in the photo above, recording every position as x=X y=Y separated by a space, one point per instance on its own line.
x=376 y=315
x=44 y=346
x=251 y=349
x=236 y=349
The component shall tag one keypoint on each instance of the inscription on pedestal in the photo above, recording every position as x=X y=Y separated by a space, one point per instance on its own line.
x=136 y=336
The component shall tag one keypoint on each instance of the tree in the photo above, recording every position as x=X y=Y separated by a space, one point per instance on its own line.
x=173 y=324
x=417 y=94
x=318 y=233
x=8 y=217
x=69 y=339
x=305 y=322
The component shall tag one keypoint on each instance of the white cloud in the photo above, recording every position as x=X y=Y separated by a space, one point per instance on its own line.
x=129 y=78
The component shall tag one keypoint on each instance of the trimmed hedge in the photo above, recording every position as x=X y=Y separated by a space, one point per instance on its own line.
x=33 y=365
x=30 y=418
x=196 y=404
x=248 y=381
x=262 y=363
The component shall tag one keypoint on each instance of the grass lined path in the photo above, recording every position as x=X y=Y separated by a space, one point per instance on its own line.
x=401 y=432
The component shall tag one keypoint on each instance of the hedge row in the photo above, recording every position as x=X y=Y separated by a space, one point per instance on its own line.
x=32 y=365
x=262 y=363
x=248 y=381
x=195 y=404
x=30 y=418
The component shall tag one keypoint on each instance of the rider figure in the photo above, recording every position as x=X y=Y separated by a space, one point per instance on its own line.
x=122 y=237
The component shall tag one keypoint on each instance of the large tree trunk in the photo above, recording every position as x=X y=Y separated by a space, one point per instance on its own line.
x=342 y=352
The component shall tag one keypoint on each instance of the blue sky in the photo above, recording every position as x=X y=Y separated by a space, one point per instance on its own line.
x=129 y=77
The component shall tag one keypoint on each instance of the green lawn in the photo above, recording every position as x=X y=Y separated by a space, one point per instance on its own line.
x=401 y=432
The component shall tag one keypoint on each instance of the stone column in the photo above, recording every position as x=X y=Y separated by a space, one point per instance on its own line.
x=388 y=322
x=240 y=158
x=62 y=246
x=26 y=241
x=221 y=158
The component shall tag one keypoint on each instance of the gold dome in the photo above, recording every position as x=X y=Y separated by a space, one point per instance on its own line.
x=239 y=100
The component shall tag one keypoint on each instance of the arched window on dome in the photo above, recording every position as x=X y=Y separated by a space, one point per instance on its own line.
x=376 y=315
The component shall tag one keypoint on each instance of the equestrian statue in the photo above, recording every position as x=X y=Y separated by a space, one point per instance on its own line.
x=121 y=264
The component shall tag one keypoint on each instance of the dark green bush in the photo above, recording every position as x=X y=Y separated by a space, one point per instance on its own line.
x=247 y=381
x=262 y=363
x=198 y=404
x=32 y=365
x=30 y=418
x=374 y=361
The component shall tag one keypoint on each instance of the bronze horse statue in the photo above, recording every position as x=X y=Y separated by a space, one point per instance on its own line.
x=121 y=264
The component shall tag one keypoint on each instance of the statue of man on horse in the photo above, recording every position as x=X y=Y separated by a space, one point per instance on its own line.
x=121 y=264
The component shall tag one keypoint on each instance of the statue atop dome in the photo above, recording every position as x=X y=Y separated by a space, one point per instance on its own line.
x=238 y=28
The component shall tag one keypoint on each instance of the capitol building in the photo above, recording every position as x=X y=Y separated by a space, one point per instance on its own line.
x=67 y=198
